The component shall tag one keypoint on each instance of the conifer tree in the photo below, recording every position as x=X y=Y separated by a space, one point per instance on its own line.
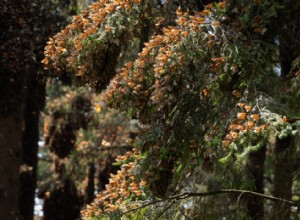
x=207 y=88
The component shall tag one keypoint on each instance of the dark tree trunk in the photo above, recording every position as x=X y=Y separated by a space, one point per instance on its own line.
x=62 y=202
x=255 y=166
x=15 y=48
x=90 y=189
x=23 y=30
x=10 y=157
x=30 y=138
x=145 y=32
x=106 y=168
x=283 y=176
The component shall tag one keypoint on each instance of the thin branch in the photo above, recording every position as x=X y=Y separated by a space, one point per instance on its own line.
x=224 y=191
x=164 y=211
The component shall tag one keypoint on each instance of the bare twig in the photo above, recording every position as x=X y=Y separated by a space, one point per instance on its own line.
x=238 y=192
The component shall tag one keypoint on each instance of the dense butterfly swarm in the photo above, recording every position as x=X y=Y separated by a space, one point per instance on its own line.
x=91 y=44
x=122 y=186
x=199 y=86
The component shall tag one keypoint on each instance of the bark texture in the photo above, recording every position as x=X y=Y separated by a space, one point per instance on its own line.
x=30 y=138
x=283 y=176
x=255 y=165
x=10 y=157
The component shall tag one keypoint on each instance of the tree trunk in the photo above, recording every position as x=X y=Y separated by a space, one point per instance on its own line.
x=10 y=157
x=255 y=165
x=15 y=59
x=283 y=176
x=23 y=33
x=62 y=201
x=90 y=189
x=30 y=138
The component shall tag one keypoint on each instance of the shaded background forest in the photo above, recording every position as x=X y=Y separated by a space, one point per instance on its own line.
x=69 y=139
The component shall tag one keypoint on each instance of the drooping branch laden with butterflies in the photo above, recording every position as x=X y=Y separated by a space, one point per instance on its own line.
x=207 y=87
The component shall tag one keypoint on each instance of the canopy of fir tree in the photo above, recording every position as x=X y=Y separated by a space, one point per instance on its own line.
x=210 y=86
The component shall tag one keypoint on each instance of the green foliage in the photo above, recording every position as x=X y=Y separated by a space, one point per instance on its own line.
x=205 y=87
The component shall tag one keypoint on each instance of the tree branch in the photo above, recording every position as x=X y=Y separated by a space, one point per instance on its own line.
x=238 y=192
